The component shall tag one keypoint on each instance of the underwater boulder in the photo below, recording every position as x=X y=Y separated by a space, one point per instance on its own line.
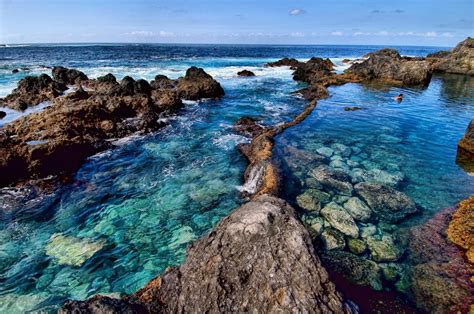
x=333 y=179
x=386 y=203
x=69 y=250
x=340 y=219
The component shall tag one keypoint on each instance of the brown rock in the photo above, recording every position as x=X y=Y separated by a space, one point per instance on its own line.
x=461 y=227
x=68 y=76
x=258 y=259
x=459 y=61
x=245 y=73
x=197 y=84
x=248 y=126
x=291 y=62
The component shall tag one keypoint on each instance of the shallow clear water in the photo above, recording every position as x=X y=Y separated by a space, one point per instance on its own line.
x=132 y=210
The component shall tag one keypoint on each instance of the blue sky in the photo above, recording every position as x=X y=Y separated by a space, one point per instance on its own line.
x=403 y=22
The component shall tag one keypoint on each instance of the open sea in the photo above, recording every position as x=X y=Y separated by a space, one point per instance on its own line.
x=132 y=210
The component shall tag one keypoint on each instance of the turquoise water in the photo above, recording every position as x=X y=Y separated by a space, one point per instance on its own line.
x=131 y=211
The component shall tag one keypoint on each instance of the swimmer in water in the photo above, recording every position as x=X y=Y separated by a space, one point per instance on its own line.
x=399 y=98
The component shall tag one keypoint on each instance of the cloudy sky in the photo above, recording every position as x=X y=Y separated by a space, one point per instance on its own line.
x=401 y=22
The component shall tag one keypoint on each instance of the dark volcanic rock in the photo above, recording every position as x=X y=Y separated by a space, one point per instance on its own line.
x=32 y=90
x=197 y=84
x=3 y=114
x=68 y=76
x=459 y=61
x=388 y=66
x=162 y=82
x=248 y=126
x=101 y=304
x=312 y=70
x=108 y=78
x=387 y=203
x=245 y=73
x=259 y=259
x=440 y=276
x=291 y=62
x=314 y=92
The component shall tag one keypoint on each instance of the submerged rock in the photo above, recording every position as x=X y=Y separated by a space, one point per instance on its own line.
x=197 y=84
x=258 y=259
x=333 y=179
x=388 y=66
x=358 y=209
x=355 y=269
x=309 y=201
x=459 y=61
x=340 y=219
x=245 y=73
x=356 y=246
x=386 y=203
x=68 y=250
x=332 y=240
x=384 y=249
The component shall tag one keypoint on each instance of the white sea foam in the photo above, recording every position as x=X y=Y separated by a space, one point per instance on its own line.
x=229 y=141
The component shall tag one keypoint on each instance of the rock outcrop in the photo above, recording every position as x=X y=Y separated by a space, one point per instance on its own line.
x=291 y=62
x=387 y=66
x=68 y=76
x=461 y=228
x=458 y=61
x=440 y=276
x=258 y=259
x=31 y=91
x=197 y=84
x=57 y=140
x=245 y=73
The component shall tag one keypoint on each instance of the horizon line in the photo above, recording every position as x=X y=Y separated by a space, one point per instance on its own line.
x=210 y=43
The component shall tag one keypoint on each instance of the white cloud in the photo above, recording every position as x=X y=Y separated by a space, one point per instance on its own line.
x=297 y=34
x=166 y=34
x=297 y=12
x=337 y=33
x=140 y=33
x=430 y=34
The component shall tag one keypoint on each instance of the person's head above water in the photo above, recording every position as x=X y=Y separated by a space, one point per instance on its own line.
x=401 y=95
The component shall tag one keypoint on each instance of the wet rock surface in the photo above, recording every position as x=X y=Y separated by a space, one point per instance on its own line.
x=57 y=140
x=291 y=62
x=260 y=258
x=459 y=61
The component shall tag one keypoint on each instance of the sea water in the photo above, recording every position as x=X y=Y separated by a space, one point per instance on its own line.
x=132 y=210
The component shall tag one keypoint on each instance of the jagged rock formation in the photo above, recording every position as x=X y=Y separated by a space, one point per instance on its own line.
x=461 y=228
x=459 y=61
x=57 y=140
x=258 y=259
x=387 y=66
x=291 y=62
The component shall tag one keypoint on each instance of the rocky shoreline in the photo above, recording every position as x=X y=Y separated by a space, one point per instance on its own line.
x=57 y=140
x=261 y=257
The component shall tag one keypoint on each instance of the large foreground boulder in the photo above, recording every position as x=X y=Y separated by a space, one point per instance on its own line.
x=259 y=259
x=459 y=61
x=197 y=84
x=387 y=66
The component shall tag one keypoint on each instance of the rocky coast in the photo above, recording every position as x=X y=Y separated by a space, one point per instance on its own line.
x=269 y=254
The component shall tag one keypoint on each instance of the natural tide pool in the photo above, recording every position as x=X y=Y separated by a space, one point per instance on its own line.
x=409 y=146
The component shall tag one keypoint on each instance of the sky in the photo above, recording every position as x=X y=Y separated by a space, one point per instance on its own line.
x=396 y=22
